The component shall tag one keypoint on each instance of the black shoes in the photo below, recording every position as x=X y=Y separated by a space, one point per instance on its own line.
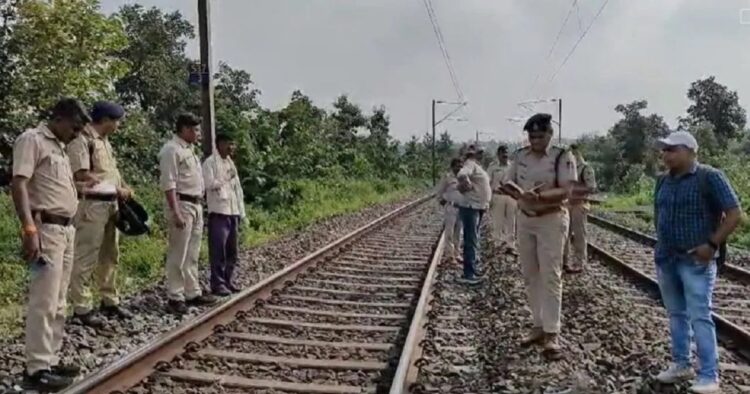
x=66 y=370
x=116 y=311
x=177 y=307
x=46 y=381
x=202 y=300
x=222 y=292
x=90 y=319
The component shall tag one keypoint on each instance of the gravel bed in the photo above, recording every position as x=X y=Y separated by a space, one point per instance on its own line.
x=372 y=296
x=313 y=318
x=313 y=333
x=730 y=296
x=94 y=350
x=319 y=352
x=339 y=308
x=737 y=256
x=615 y=338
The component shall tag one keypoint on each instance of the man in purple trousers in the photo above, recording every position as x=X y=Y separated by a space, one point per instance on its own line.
x=226 y=208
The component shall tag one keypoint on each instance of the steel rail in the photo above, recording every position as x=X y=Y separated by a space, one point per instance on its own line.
x=406 y=372
x=635 y=235
x=133 y=368
x=728 y=331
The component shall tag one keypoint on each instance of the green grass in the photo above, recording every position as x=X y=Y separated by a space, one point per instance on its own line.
x=142 y=258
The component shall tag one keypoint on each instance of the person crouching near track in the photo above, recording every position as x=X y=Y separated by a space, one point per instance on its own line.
x=449 y=198
x=690 y=201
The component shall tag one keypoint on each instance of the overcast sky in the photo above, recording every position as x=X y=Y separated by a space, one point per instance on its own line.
x=385 y=52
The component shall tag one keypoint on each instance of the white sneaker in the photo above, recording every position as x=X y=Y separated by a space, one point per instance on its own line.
x=675 y=374
x=705 y=387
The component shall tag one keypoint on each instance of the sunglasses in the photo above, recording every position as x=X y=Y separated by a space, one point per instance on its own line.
x=537 y=136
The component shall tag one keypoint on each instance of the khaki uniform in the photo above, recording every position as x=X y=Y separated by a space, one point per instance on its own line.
x=542 y=229
x=579 y=209
x=39 y=156
x=96 y=235
x=503 y=208
x=448 y=191
x=181 y=170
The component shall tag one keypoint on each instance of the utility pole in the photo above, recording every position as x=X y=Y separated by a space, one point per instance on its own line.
x=434 y=145
x=207 y=81
x=559 y=120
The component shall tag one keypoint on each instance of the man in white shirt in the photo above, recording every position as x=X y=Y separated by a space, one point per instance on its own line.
x=450 y=198
x=474 y=185
x=226 y=207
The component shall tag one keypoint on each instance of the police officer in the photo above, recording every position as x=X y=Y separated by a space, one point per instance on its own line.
x=579 y=208
x=92 y=159
x=44 y=193
x=546 y=175
x=182 y=182
x=502 y=206
x=450 y=198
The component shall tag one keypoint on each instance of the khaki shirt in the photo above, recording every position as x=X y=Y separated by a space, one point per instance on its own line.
x=180 y=168
x=585 y=178
x=497 y=173
x=39 y=156
x=529 y=170
x=223 y=189
x=448 y=189
x=91 y=149
x=479 y=196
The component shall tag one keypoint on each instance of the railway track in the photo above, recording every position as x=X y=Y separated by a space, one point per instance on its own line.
x=345 y=319
x=632 y=251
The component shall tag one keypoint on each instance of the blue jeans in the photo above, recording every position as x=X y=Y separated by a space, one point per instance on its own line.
x=470 y=221
x=686 y=288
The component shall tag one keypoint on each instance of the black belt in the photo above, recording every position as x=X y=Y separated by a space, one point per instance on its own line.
x=189 y=198
x=541 y=212
x=50 y=218
x=98 y=197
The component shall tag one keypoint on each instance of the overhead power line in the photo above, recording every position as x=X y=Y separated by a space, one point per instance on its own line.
x=572 y=50
x=443 y=48
x=554 y=45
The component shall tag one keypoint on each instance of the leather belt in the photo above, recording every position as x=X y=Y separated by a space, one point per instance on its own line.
x=50 y=218
x=542 y=212
x=189 y=198
x=98 y=197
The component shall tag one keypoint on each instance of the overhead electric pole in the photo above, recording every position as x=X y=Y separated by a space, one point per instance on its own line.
x=207 y=82
x=559 y=120
x=434 y=172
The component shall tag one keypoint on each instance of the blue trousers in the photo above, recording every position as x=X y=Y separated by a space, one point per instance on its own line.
x=470 y=220
x=686 y=288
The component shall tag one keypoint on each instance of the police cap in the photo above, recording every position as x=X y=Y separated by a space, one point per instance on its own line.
x=539 y=122
x=106 y=109
x=132 y=218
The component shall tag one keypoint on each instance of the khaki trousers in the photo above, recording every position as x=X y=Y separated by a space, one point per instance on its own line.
x=96 y=250
x=452 y=231
x=503 y=212
x=183 y=252
x=48 y=284
x=577 y=237
x=540 y=247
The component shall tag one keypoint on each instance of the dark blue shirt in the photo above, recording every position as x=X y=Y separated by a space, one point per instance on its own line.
x=685 y=219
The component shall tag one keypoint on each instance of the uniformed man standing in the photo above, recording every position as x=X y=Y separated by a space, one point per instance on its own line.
x=474 y=185
x=44 y=194
x=226 y=208
x=182 y=182
x=579 y=209
x=546 y=175
x=92 y=159
x=450 y=199
x=503 y=207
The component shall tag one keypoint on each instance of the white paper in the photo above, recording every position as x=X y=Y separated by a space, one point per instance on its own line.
x=105 y=188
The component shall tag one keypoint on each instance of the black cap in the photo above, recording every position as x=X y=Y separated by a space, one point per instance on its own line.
x=69 y=107
x=224 y=137
x=539 y=122
x=502 y=148
x=132 y=218
x=106 y=109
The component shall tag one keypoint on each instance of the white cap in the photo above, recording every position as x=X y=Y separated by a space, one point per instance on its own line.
x=680 y=138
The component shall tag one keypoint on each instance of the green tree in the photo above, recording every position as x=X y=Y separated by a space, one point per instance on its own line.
x=157 y=79
x=636 y=134
x=69 y=48
x=716 y=104
x=8 y=58
x=444 y=149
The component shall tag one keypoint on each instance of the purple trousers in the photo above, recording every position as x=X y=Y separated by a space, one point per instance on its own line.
x=222 y=249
